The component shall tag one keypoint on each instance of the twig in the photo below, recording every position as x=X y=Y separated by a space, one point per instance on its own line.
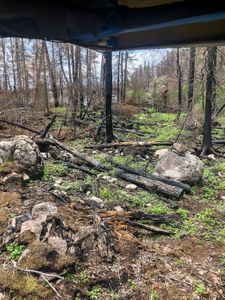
x=51 y=286
x=146 y=227
x=43 y=275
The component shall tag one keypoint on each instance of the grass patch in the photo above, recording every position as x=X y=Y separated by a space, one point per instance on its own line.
x=52 y=170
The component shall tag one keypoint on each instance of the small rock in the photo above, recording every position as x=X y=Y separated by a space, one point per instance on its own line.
x=58 y=243
x=161 y=152
x=118 y=208
x=82 y=233
x=43 y=209
x=26 y=177
x=222 y=197
x=31 y=230
x=94 y=152
x=18 y=221
x=212 y=157
x=109 y=179
x=44 y=155
x=131 y=187
x=96 y=199
x=88 y=193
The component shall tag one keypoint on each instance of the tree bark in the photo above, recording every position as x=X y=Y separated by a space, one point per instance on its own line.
x=179 y=78
x=210 y=98
x=152 y=185
x=108 y=96
x=51 y=76
x=191 y=78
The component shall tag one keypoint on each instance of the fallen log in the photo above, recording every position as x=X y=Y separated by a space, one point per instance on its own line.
x=152 y=185
x=185 y=187
x=129 y=143
x=91 y=161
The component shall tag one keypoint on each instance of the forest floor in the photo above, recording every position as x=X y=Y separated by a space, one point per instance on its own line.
x=188 y=264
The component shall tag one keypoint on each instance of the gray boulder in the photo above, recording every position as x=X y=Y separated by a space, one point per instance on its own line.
x=24 y=152
x=186 y=168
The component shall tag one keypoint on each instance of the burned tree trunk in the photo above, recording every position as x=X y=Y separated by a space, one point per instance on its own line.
x=210 y=99
x=191 y=78
x=108 y=96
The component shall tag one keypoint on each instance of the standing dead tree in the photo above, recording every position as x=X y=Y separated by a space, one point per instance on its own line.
x=191 y=78
x=210 y=100
x=108 y=96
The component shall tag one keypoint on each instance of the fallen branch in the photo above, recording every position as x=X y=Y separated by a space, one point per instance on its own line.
x=147 y=227
x=49 y=125
x=185 y=187
x=152 y=185
x=74 y=166
x=129 y=143
x=91 y=161
x=20 y=126
x=43 y=275
x=218 y=142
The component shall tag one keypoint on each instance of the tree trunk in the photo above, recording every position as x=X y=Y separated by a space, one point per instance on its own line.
x=210 y=99
x=108 y=96
x=125 y=76
x=51 y=76
x=191 y=78
x=5 y=73
x=118 y=78
x=179 y=77
x=122 y=79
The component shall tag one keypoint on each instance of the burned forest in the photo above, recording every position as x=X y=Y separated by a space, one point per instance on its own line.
x=112 y=172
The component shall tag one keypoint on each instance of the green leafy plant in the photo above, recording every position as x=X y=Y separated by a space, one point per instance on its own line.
x=159 y=209
x=132 y=284
x=200 y=288
x=94 y=293
x=154 y=295
x=184 y=213
x=105 y=193
x=51 y=170
x=15 y=250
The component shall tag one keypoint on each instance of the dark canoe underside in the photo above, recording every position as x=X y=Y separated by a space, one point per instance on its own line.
x=116 y=24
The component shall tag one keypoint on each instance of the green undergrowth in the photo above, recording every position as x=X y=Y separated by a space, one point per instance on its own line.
x=163 y=126
x=213 y=183
x=52 y=170
x=79 y=143
x=134 y=163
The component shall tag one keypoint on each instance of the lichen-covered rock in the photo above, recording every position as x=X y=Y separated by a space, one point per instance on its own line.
x=23 y=151
x=186 y=168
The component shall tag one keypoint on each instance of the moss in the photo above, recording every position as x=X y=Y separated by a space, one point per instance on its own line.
x=23 y=286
